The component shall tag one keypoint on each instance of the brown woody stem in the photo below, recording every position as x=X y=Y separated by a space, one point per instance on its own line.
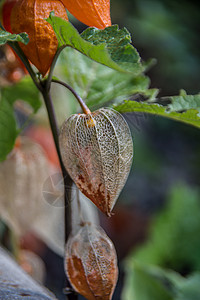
x=67 y=180
x=84 y=107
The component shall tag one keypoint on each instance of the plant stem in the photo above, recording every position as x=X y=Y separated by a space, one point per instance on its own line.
x=80 y=100
x=67 y=180
x=52 y=120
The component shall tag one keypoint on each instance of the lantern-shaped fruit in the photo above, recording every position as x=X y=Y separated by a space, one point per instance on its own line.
x=29 y=16
x=91 y=263
x=97 y=152
x=90 y=12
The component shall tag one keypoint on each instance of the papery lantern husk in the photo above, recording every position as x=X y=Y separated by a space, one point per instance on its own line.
x=29 y=16
x=90 y=12
x=22 y=176
x=91 y=263
x=97 y=151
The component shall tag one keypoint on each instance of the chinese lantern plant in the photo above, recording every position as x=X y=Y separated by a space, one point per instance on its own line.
x=94 y=148
x=40 y=51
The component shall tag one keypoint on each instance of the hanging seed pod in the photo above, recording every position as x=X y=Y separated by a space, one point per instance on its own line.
x=97 y=152
x=91 y=263
x=90 y=12
x=29 y=16
x=21 y=179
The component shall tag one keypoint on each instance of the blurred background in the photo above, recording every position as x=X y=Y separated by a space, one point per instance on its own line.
x=156 y=220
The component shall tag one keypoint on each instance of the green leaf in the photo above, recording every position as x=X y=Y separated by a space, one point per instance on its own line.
x=26 y=91
x=8 y=131
x=190 y=288
x=110 y=47
x=143 y=282
x=181 y=214
x=184 y=102
x=9 y=37
x=98 y=84
x=184 y=108
x=147 y=283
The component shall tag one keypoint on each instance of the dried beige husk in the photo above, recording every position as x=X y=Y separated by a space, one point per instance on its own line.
x=22 y=176
x=97 y=151
x=91 y=263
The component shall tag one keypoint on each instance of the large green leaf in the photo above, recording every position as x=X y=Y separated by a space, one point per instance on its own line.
x=181 y=214
x=96 y=83
x=189 y=288
x=184 y=108
x=110 y=47
x=147 y=283
x=184 y=102
x=25 y=91
x=144 y=282
x=8 y=37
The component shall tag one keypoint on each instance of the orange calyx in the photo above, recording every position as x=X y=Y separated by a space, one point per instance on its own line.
x=90 y=12
x=29 y=16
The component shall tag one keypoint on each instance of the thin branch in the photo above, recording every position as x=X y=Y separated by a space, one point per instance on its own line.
x=80 y=100
x=53 y=123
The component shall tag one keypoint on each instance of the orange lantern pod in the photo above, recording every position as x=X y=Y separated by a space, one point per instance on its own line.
x=91 y=263
x=29 y=16
x=90 y=12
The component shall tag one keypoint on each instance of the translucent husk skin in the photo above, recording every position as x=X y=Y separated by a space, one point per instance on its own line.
x=97 y=151
x=91 y=263
x=29 y=16
x=94 y=13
